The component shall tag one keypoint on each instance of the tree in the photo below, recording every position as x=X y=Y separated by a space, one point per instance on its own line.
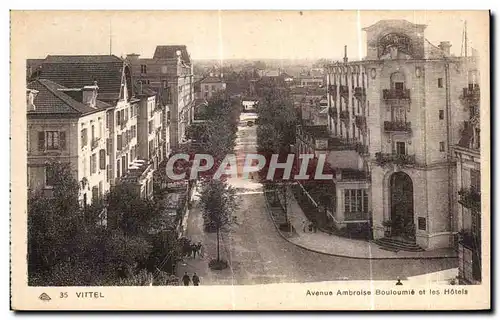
x=218 y=201
x=53 y=220
x=128 y=211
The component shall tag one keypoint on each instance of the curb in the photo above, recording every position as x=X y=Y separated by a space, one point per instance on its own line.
x=345 y=256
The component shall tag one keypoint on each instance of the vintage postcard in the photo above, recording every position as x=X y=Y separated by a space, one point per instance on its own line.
x=276 y=160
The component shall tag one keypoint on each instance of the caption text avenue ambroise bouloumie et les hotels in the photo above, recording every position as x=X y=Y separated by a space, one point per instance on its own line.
x=396 y=134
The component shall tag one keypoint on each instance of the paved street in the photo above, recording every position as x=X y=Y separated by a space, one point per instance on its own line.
x=258 y=254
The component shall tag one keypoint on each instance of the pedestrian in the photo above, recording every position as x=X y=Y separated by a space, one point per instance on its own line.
x=196 y=279
x=199 y=248
x=185 y=279
x=304 y=225
x=315 y=227
x=193 y=250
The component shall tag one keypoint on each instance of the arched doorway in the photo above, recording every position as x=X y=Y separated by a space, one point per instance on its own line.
x=402 y=215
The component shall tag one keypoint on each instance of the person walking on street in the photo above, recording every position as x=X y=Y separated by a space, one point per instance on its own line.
x=196 y=279
x=185 y=279
x=199 y=248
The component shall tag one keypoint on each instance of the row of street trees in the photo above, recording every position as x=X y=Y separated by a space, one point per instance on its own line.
x=74 y=245
x=276 y=133
x=216 y=136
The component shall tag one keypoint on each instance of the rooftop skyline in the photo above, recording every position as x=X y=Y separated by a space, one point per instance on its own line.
x=232 y=34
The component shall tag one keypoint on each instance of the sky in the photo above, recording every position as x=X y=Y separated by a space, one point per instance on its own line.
x=231 y=34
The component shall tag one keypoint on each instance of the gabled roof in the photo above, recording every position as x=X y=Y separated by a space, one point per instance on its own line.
x=78 y=71
x=170 y=52
x=51 y=99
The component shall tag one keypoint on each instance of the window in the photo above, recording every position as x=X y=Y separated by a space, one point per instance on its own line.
x=109 y=119
x=440 y=82
x=51 y=140
x=102 y=159
x=95 y=194
x=151 y=149
x=84 y=137
x=441 y=114
x=118 y=118
x=475 y=179
x=399 y=85
x=50 y=176
x=355 y=200
x=118 y=167
x=93 y=164
x=92 y=134
x=144 y=69
x=150 y=126
x=124 y=164
x=206 y=87
x=422 y=223
x=109 y=146
x=213 y=87
x=133 y=131
x=109 y=172
x=400 y=147
x=119 y=142
x=441 y=146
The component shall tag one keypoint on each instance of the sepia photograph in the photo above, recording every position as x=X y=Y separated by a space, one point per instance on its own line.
x=278 y=159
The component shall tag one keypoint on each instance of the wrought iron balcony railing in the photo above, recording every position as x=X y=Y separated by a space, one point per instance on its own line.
x=397 y=126
x=471 y=95
x=361 y=148
x=396 y=94
x=344 y=115
x=470 y=198
x=396 y=158
x=360 y=121
x=360 y=93
x=332 y=111
x=344 y=91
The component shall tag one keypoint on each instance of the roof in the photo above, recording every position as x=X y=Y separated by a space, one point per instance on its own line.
x=170 y=52
x=144 y=89
x=211 y=80
x=394 y=22
x=78 y=71
x=50 y=99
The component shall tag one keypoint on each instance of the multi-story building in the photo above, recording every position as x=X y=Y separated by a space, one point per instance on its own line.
x=67 y=125
x=311 y=81
x=312 y=104
x=113 y=76
x=468 y=158
x=395 y=115
x=169 y=69
x=209 y=86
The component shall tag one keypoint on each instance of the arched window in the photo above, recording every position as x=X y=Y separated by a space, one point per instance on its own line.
x=397 y=81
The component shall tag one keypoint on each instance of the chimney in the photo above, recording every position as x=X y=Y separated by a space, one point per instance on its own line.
x=30 y=99
x=445 y=46
x=345 y=54
x=89 y=95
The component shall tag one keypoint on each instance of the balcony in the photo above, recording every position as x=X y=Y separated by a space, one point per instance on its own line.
x=344 y=91
x=94 y=143
x=123 y=125
x=397 y=126
x=361 y=148
x=397 y=95
x=360 y=93
x=471 y=95
x=394 y=158
x=361 y=122
x=332 y=90
x=344 y=115
x=470 y=198
x=340 y=144
x=332 y=112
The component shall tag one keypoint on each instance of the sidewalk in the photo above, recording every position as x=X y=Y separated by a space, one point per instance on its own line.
x=339 y=246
